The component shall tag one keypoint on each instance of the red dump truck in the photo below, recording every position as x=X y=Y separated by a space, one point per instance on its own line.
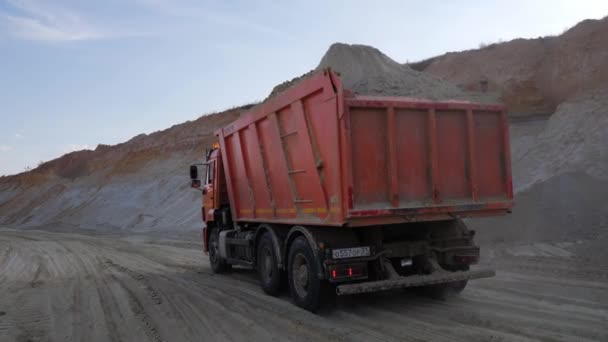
x=344 y=194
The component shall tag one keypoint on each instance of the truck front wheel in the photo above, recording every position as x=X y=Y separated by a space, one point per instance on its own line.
x=218 y=264
x=268 y=270
x=307 y=290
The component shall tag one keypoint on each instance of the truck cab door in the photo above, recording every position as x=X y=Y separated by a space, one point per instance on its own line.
x=208 y=191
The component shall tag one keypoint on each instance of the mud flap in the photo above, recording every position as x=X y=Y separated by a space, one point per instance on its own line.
x=438 y=277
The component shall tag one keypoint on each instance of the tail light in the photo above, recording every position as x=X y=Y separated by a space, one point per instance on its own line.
x=347 y=272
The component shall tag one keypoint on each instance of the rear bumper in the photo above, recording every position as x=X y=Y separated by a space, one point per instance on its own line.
x=439 y=277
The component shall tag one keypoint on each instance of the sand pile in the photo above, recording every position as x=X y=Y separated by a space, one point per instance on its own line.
x=568 y=207
x=366 y=70
x=355 y=63
x=574 y=139
x=560 y=170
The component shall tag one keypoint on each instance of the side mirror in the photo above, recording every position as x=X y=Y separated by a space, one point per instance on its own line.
x=193 y=172
x=195 y=183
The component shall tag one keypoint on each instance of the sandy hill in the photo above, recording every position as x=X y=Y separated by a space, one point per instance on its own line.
x=533 y=76
x=142 y=184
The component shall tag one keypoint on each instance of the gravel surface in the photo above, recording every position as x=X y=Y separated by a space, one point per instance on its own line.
x=61 y=286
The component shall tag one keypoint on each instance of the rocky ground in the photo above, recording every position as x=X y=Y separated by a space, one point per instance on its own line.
x=79 y=286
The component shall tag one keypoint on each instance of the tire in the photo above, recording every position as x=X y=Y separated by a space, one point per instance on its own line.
x=307 y=290
x=446 y=290
x=455 y=229
x=268 y=270
x=458 y=286
x=218 y=264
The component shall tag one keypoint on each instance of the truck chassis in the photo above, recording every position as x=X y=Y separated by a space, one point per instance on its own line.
x=433 y=255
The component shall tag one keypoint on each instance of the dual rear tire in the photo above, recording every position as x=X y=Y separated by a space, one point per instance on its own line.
x=307 y=289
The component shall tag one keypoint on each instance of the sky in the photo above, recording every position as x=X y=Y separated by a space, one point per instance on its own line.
x=74 y=73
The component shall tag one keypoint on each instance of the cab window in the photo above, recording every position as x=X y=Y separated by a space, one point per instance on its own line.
x=210 y=171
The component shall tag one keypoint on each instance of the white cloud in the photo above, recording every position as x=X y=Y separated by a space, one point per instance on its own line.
x=18 y=135
x=35 y=29
x=5 y=148
x=33 y=20
x=41 y=21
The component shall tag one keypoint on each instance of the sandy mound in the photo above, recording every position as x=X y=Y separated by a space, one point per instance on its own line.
x=569 y=207
x=366 y=70
x=575 y=139
x=560 y=170
x=142 y=184
x=358 y=62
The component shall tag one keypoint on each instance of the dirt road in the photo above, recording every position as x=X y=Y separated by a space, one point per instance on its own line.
x=73 y=287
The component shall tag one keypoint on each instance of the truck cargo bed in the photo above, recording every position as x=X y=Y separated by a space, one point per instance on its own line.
x=317 y=155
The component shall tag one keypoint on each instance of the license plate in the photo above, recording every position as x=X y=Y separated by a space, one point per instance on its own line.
x=354 y=252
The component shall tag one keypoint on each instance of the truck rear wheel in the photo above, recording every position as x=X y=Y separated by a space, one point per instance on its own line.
x=218 y=264
x=307 y=290
x=443 y=291
x=458 y=286
x=268 y=270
